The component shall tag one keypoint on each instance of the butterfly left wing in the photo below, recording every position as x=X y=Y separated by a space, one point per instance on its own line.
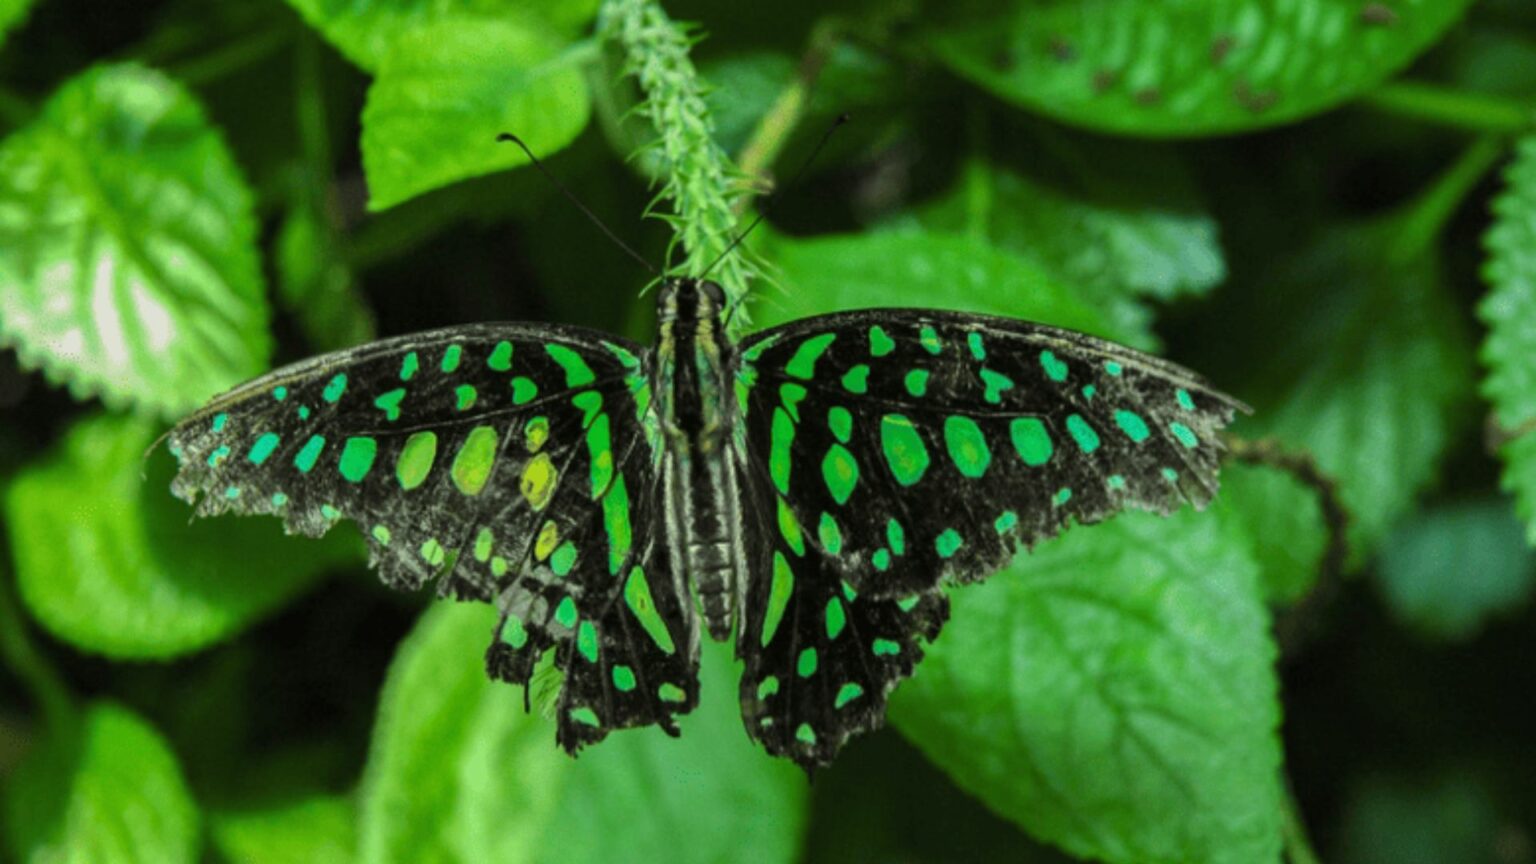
x=890 y=451
x=514 y=463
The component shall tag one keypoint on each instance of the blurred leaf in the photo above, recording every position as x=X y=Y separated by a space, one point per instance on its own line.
x=305 y=831
x=907 y=268
x=317 y=285
x=1438 y=820
x=446 y=92
x=1445 y=571
x=128 y=262
x=1493 y=60
x=1509 y=310
x=12 y=13
x=1283 y=517
x=104 y=790
x=1200 y=67
x=1111 y=237
x=1114 y=693
x=1352 y=351
x=459 y=773
x=106 y=559
x=366 y=31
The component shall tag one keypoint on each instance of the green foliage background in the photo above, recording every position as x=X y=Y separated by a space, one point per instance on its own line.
x=1328 y=206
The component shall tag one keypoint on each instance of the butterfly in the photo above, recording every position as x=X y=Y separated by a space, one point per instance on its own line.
x=810 y=490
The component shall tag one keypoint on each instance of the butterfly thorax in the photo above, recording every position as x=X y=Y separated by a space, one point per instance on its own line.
x=699 y=476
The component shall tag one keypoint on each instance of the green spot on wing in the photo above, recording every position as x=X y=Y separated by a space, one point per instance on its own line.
x=967 y=446
x=305 y=459
x=501 y=357
x=1132 y=425
x=948 y=543
x=806 y=665
x=1185 y=435
x=409 y=365
x=803 y=364
x=476 y=457
x=577 y=372
x=880 y=343
x=357 y=458
x=848 y=692
x=586 y=641
x=563 y=559
x=1054 y=368
x=637 y=596
x=837 y=619
x=416 y=459
x=336 y=387
x=885 y=648
x=623 y=679
x=840 y=421
x=856 y=379
x=929 y=339
x=585 y=716
x=262 y=449
x=671 y=693
x=896 y=537
x=779 y=589
x=782 y=436
x=451 y=358
x=523 y=390
x=1031 y=440
x=389 y=403
x=830 y=535
x=789 y=527
x=905 y=453
x=917 y=382
x=565 y=613
x=1087 y=439
x=465 y=396
x=840 y=472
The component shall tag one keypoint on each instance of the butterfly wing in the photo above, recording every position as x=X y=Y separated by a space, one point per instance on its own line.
x=891 y=451
x=513 y=463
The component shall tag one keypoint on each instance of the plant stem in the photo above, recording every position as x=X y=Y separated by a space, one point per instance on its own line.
x=698 y=178
x=776 y=127
x=1459 y=109
x=18 y=652
x=1424 y=218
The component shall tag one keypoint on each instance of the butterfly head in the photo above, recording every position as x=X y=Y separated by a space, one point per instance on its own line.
x=688 y=301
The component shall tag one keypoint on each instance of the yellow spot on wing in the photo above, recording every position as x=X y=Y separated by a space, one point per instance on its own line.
x=538 y=483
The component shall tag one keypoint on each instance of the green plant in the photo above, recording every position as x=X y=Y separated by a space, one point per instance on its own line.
x=1239 y=185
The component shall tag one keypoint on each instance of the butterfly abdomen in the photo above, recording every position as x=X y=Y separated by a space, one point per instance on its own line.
x=701 y=487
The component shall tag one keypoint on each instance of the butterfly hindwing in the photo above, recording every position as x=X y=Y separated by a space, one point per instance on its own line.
x=505 y=460
x=891 y=451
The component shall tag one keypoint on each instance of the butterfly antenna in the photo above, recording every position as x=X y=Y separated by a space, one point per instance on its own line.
x=571 y=196
x=774 y=197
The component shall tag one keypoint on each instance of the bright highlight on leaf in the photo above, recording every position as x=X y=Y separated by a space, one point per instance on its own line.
x=128 y=264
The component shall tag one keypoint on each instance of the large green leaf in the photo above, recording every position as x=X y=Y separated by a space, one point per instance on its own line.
x=1189 y=67
x=1509 y=310
x=128 y=262
x=1447 y=570
x=446 y=91
x=303 y=831
x=908 y=268
x=366 y=31
x=1285 y=519
x=1114 y=222
x=1113 y=692
x=460 y=773
x=106 y=559
x=1352 y=352
x=103 y=789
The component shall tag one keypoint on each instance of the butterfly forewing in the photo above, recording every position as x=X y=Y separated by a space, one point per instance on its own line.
x=513 y=461
x=892 y=450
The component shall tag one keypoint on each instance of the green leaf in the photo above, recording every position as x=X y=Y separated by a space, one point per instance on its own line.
x=1509 y=310
x=908 y=268
x=1352 y=351
x=1115 y=224
x=1114 y=693
x=1199 y=67
x=459 y=773
x=1285 y=520
x=366 y=31
x=12 y=13
x=446 y=92
x=106 y=559
x=1447 y=570
x=105 y=789
x=303 y=831
x=128 y=262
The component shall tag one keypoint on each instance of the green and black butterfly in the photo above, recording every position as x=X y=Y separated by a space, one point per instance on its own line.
x=812 y=489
